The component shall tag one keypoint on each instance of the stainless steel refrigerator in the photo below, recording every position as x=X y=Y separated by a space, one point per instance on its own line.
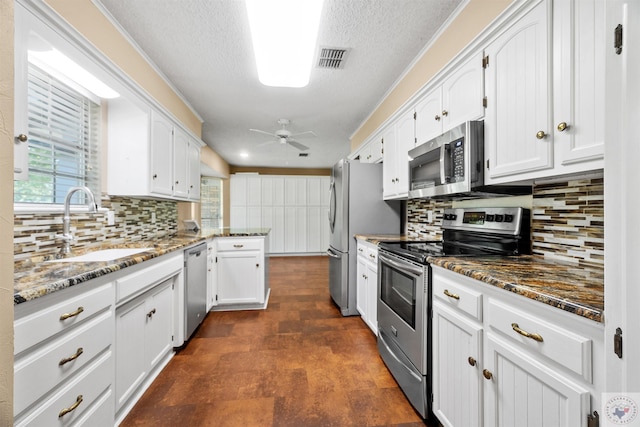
x=356 y=207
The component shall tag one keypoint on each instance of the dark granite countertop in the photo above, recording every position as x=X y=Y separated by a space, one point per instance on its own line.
x=579 y=290
x=37 y=277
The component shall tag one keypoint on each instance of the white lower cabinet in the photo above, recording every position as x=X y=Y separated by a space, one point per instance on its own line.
x=143 y=338
x=63 y=365
x=457 y=354
x=240 y=271
x=367 y=284
x=501 y=359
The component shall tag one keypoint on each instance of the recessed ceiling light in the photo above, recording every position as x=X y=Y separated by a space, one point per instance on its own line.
x=284 y=34
x=244 y=154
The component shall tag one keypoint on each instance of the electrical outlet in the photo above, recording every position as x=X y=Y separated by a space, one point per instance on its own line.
x=153 y=217
x=111 y=218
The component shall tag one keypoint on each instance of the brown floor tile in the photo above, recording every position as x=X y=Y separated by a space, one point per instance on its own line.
x=298 y=363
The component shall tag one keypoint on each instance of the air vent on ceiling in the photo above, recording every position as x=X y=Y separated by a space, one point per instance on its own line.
x=332 y=57
x=303 y=154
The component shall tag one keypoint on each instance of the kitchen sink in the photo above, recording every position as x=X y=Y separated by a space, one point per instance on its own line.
x=103 y=255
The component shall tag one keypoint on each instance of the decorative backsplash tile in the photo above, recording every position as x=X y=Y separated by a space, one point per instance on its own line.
x=417 y=217
x=34 y=234
x=568 y=221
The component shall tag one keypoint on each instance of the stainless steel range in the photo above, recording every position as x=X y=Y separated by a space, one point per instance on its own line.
x=404 y=288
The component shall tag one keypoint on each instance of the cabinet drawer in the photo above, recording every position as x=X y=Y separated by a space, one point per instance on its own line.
x=457 y=295
x=136 y=283
x=37 y=373
x=565 y=347
x=34 y=328
x=92 y=386
x=239 y=244
x=372 y=254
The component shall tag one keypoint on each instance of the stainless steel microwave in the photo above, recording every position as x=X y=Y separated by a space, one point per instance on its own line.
x=450 y=164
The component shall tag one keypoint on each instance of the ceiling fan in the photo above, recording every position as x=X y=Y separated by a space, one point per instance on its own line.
x=284 y=136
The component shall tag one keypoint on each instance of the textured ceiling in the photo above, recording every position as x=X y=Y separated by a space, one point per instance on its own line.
x=204 y=48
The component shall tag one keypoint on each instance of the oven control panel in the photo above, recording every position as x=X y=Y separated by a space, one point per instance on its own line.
x=495 y=220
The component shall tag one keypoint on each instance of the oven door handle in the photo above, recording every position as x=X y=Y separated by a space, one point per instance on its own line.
x=382 y=339
x=405 y=268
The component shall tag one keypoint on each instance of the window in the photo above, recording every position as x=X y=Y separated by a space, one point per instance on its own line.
x=211 y=202
x=64 y=129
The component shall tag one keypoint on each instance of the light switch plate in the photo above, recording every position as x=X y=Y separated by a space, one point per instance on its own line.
x=111 y=218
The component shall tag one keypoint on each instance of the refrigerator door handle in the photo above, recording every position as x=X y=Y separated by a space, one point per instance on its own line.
x=332 y=254
x=332 y=205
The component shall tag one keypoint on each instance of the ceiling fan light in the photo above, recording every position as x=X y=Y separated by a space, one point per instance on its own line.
x=284 y=34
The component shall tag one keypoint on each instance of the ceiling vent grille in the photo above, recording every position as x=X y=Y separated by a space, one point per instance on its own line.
x=303 y=154
x=332 y=57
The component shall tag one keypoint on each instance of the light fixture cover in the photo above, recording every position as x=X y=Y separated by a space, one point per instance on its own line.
x=284 y=34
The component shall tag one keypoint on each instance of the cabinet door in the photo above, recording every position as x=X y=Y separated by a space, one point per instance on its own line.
x=295 y=222
x=372 y=297
x=161 y=155
x=316 y=217
x=314 y=191
x=361 y=286
x=273 y=218
x=429 y=116
x=457 y=390
x=578 y=92
x=272 y=191
x=390 y=159
x=405 y=141
x=159 y=323
x=518 y=98
x=254 y=217
x=462 y=94
x=180 y=163
x=238 y=190
x=238 y=275
x=527 y=393
x=131 y=364
x=194 y=171
x=295 y=191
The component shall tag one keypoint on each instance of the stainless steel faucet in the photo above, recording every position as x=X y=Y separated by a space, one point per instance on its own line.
x=66 y=236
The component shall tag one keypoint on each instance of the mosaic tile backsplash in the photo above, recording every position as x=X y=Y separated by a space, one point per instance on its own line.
x=567 y=220
x=34 y=234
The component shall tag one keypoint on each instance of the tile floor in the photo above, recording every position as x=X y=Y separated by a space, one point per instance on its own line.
x=298 y=363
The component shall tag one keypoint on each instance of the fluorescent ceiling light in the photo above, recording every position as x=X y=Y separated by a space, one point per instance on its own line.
x=54 y=60
x=284 y=34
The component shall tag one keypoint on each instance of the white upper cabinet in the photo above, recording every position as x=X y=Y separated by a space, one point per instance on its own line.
x=180 y=163
x=518 y=135
x=545 y=112
x=371 y=150
x=578 y=77
x=194 y=170
x=148 y=155
x=398 y=138
x=459 y=98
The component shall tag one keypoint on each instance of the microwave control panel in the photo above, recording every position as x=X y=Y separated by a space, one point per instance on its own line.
x=457 y=160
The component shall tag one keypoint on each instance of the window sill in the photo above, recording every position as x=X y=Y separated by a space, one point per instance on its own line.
x=24 y=208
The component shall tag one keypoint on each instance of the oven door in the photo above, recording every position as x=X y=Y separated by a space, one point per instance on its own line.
x=402 y=306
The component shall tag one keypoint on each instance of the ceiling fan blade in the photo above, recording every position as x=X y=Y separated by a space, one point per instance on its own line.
x=266 y=143
x=309 y=132
x=296 y=144
x=261 y=131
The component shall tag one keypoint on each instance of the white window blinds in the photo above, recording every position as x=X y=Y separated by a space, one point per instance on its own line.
x=63 y=141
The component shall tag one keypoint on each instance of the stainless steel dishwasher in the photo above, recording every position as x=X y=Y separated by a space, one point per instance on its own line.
x=195 y=288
